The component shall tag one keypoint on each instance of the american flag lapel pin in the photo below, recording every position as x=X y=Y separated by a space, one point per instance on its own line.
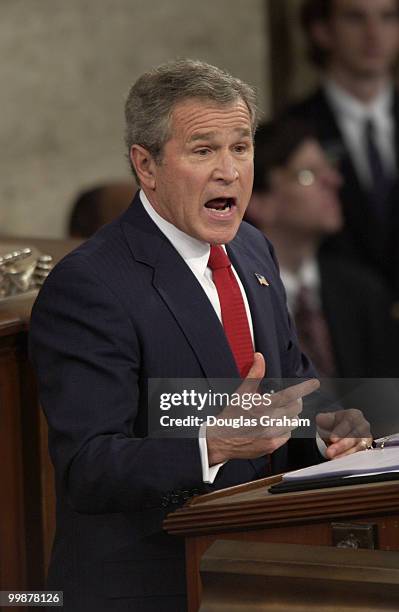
x=261 y=279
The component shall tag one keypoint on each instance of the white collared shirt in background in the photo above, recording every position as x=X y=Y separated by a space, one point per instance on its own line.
x=307 y=276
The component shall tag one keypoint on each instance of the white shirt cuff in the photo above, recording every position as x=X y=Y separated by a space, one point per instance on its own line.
x=208 y=473
x=321 y=445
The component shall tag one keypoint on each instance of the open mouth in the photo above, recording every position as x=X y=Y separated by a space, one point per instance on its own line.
x=221 y=205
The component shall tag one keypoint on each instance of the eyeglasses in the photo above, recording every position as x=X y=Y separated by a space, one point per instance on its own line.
x=305 y=177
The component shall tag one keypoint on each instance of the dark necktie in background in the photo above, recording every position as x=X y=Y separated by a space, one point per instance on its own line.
x=313 y=334
x=381 y=181
x=234 y=316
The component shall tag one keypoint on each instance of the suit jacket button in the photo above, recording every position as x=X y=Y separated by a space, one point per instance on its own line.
x=165 y=500
x=175 y=497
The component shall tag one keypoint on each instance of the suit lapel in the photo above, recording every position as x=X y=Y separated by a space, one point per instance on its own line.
x=395 y=113
x=334 y=143
x=259 y=299
x=181 y=292
x=395 y=191
x=195 y=315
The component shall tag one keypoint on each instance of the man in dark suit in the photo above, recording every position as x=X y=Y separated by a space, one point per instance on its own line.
x=356 y=112
x=149 y=297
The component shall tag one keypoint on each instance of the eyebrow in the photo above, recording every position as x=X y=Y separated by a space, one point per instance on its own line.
x=243 y=132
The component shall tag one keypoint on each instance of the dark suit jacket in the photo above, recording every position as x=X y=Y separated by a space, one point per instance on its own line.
x=357 y=309
x=364 y=237
x=120 y=309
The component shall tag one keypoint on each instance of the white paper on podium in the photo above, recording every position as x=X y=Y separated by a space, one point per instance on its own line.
x=364 y=462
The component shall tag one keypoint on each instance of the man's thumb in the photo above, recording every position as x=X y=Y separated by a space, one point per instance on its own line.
x=254 y=376
x=258 y=368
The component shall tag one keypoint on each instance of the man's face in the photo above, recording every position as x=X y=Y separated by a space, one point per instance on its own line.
x=204 y=180
x=304 y=194
x=362 y=36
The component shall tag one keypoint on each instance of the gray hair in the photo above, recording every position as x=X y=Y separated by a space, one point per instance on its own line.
x=153 y=96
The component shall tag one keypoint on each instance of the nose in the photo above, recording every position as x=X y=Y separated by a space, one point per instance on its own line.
x=225 y=169
x=331 y=177
x=373 y=29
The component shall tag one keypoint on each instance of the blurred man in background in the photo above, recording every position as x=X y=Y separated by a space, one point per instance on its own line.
x=341 y=309
x=355 y=113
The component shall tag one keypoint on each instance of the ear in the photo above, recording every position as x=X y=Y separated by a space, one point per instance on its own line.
x=261 y=210
x=144 y=165
x=321 y=35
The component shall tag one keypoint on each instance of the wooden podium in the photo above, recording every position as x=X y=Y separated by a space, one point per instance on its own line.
x=27 y=509
x=249 y=513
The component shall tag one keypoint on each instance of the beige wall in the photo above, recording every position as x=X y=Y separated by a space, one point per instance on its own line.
x=304 y=76
x=66 y=66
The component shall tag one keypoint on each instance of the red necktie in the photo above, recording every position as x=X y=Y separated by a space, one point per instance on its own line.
x=234 y=316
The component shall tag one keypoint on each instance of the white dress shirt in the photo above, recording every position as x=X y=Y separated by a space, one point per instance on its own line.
x=351 y=115
x=196 y=255
x=307 y=276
